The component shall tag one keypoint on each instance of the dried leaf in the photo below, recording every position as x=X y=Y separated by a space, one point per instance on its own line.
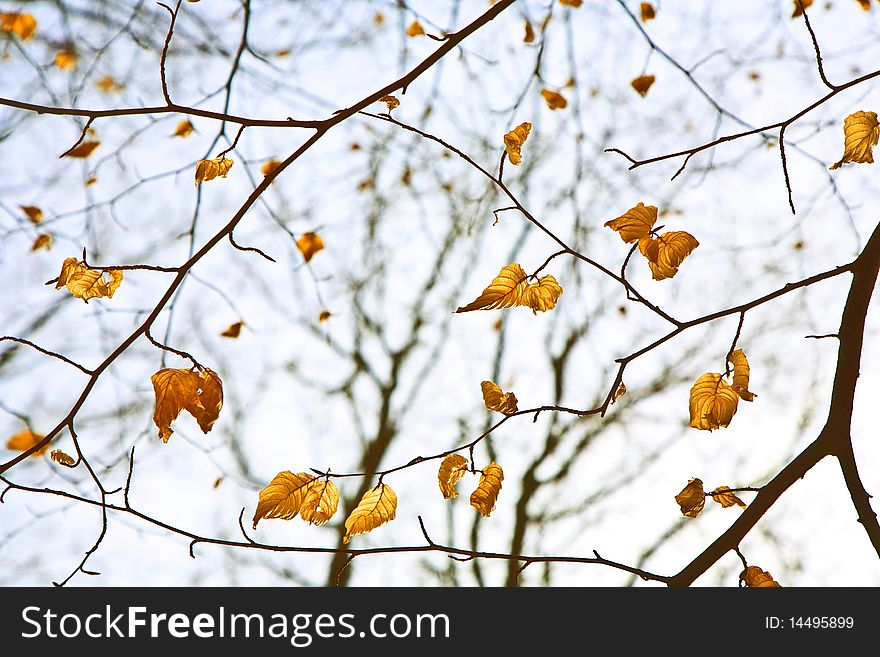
x=43 y=241
x=741 y=375
x=269 y=167
x=309 y=244
x=451 y=471
x=83 y=150
x=210 y=169
x=376 y=507
x=514 y=140
x=799 y=6
x=33 y=213
x=712 y=402
x=210 y=400
x=642 y=84
x=484 y=497
x=620 y=392
x=529 y=36
x=26 y=439
x=861 y=130
x=66 y=60
x=415 y=29
x=85 y=283
x=390 y=101
x=692 y=498
x=647 y=11
x=320 y=502
x=635 y=223
x=233 y=331
x=667 y=252
x=108 y=85
x=555 y=101
x=91 y=180
x=726 y=498
x=183 y=129
x=324 y=316
x=60 y=457
x=201 y=395
x=283 y=497
x=865 y=4
x=496 y=400
x=24 y=26
x=757 y=578
x=571 y=3
x=511 y=288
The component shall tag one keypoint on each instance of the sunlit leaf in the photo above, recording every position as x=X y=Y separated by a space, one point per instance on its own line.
x=269 y=167
x=24 y=26
x=756 y=578
x=486 y=494
x=554 y=100
x=200 y=394
x=635 y=223
x=26 y=439
x=451 y=471
x=497 y=400
x=529 y=36
x=85 y=283
x=233 y=331
x=666 y=253
x=320 y=502
x=43 y=241
x=712 y=402
x=620 y=392
x=415 y=29
x=60 y=457
x=511 y=288
x=514 y=140
x=309 y=244
x=692 y=498
x=108 y=84
x=390 y=102
x=210 y=169
x=861 y=130
x=210 y=400
x=799 y=6
x=865 y=4
x=647 y=11
x=726 y=498
x=741 y=373
x=66 y=60
x=84 y=149
x=377 y=506
x=324 y=316
x=183 y=129
x=571 y=3
x=642 y=84
x=33 y=213
x=283 y=497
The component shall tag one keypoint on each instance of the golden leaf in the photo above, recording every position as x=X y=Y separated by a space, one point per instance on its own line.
x=514 y=140
x=91 y=180
x=85 y=283
x=210 y=169
x=108 y=85
x=529 y=33
x=415 y=29
x=726 y=498
x=757 y=578
x=83 y=150
x=376 y=507
x=799 y=6
x=324 y=316
x=26 y=439
x=451 y=471
x=496 y=400
x=22 y=25
x=269 y=167
x=635 y=223
x=571 y=3
x=642 y=84
x=43 y=241
x=66 y=60
x=861 y=131
x=511 y=288
x=309 y=244
x=712 y=402
x=554 y=100
x=692 y=498
x=378 y=18
x=484 y=497
x=33 y=213
x=390 y=101
x=320 y=502
x=741 y=375
x=667 y=252
x=183 y=129
x=620 y=392
x=233 y=331
x=865 y=4
x=283 y=497
x=648 y=12
x=201 y=395
x=60 y=457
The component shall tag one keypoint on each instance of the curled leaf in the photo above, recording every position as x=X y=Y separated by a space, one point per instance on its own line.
x=233 y=331
x=451 y=471
x=377 y=506
x=210 y=400
x=83 y=150
x=514 y=140
x=33 y=213
x=200 y=394
x=635 y=223
x=754 y=577
x=390 y=101
x=26 y=439
x=210 y=169
x=324 y=316
x=85 y=283
x=486 y=494
x=692 y=498
x=647 y=11
x=511 y=288
x=415 y=29
x=642 y=83
x=184 y=129
x=554 y=100
x=712 y=402
x=283 y=497
x=496 y=400
x=309 y=244
x=60 y=457
x=320 y=502
x=666 y=253
x=861 y=131
x=620 y=392
x=24 y=26
x=741 y=375
x=726 y=498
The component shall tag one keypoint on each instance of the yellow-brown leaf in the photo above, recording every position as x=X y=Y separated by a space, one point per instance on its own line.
x=24 y=26
x=269 y=167
x=376 y=507
x=283 y=497
x=60 y=457
x=514 y=140
x=26 y=439
x=391 y=102
x=320 y=502
x=712 y=402
x=233 y=331
x=571 y=3
x=529 y=36
x=451 y=471
x=415 y=29
x=799 y=6
x=511 y=288
x=726 y=498
x=201 y=395
x=33 y=213
x=183 y=129
x=756 y=578
x=496 y=400
x=667 y=252
x=647 y=11
x=210 y=400
x=43 y=241
x=85 y=283
x=108 y=84
x=692 y=498
x=741 y=375
x=309 y=244
x=865 y=4
x=620 y=392
x=84 y=149
x=66 y=60
x=484 y=497
x=635 y=223
x=642 y=84
x=861 y=130
x=324 y=316
x=210 y=169
x=554 y=100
